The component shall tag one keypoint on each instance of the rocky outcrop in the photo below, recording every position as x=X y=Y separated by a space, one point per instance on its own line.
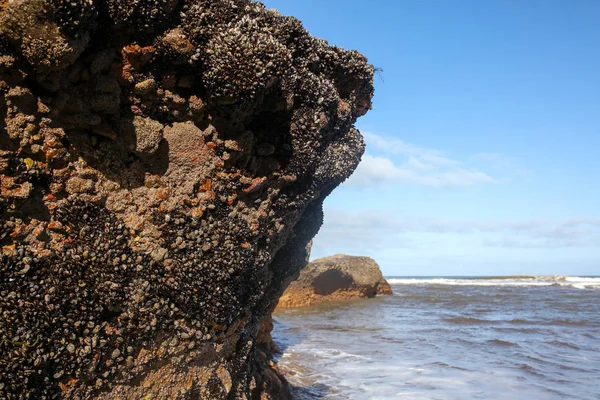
x=335 y=278
x=163 y=166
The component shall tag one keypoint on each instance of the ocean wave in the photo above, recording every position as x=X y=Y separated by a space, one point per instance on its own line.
x=564 y=344
x=518 y=280
x=468 y=320
x=336 y=353
x=445 y=365
x=503 y=343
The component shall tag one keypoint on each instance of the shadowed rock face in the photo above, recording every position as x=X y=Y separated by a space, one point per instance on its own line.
x=335 y=278
x=163 y=166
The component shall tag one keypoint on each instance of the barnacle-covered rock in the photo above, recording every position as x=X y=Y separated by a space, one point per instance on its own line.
x=24 y=23
x=144 y=15
x=242 y=60
x=176 y=46
x=74 y=17
x=163 y=165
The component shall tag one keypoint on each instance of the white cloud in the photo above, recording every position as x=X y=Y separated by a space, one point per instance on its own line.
x=370 y=231
x=412 y=164
x=392 y=145
x=436 y=159
x=375 y=171
x=500 y=162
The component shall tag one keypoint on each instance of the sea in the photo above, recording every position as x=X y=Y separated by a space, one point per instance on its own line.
x=521 y=337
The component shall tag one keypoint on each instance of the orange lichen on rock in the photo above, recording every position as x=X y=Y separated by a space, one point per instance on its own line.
x=206 y=185
x=137 y=56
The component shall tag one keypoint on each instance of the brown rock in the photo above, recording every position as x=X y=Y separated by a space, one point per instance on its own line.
x=145 y=87
x=148 y=134
x=79 y=185
x=335 y=278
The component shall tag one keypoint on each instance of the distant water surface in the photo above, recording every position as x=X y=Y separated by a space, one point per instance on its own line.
x=449 y=338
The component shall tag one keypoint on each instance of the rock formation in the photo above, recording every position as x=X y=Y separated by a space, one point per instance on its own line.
x=335 y=278
x=163 y=165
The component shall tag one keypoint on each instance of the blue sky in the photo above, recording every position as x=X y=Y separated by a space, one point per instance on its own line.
x=483 y=141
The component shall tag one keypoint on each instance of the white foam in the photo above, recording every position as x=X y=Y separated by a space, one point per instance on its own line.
x=335 y=353
x=593 y=281
x=572 y=281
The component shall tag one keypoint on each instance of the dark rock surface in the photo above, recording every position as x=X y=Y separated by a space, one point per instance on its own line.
x=335 y=278
x=163 y=166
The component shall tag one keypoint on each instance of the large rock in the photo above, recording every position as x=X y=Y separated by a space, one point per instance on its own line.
x=335 y=278
x=163 y=166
